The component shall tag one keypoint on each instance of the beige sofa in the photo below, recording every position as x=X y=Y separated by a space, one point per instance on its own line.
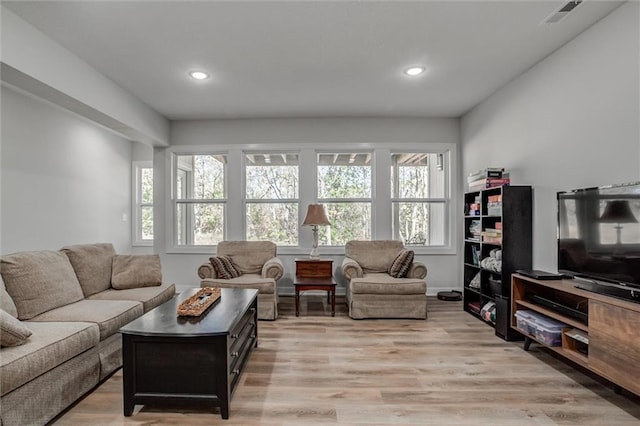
x=64 y=310
x=259 y=268
x=372 y=293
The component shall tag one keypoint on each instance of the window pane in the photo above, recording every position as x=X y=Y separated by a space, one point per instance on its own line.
x=146 y=226
x=146 y=185
x=349 y=221
x=205 y=220
x=271 y=176
x=417 y=175
x=344 y=175
x=202 y=177
x=277 y=222
x=420 y=223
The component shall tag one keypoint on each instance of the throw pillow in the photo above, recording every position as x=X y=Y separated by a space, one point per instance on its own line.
x=6 y=302
x=135 y=270
x=224 y=268
x=12 y=331
x=400 y=266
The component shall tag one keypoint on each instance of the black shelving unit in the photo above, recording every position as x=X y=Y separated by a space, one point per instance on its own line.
x=514 y=216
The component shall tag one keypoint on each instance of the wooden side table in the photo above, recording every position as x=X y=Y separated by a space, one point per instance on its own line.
x=315 y=274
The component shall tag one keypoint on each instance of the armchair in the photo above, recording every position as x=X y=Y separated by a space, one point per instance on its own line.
x=258 y=268
x=372 y=293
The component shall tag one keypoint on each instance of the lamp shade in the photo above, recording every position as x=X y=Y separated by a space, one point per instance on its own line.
x=618 y=211
x=316 y=216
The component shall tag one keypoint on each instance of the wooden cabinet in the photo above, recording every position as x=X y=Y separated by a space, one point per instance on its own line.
x=314 y=268
x=602 y=333
x=496 y=220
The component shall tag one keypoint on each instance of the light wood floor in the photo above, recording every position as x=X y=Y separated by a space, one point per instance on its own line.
x=447 y=370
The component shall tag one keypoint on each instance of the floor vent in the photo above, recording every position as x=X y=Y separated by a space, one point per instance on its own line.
x=561 y=13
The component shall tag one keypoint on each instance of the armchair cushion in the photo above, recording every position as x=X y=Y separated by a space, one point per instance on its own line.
x=136 y=270
x=248 y=257
x=223 y=267
x=400 y=266
x=373 y=256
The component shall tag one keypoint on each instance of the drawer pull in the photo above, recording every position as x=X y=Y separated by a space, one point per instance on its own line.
x=236 y=371
x=252 y=310
x=234 y=336
x=235 y=354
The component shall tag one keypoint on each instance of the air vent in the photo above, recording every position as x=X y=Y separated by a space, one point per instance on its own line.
x=561 y=13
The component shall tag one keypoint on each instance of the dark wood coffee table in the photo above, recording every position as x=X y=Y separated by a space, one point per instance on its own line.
x=167 y=358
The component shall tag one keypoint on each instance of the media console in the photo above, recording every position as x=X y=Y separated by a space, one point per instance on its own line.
x=602 y=333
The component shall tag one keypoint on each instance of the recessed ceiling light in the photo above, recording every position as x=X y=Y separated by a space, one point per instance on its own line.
x=413 y=71
x=199 y=75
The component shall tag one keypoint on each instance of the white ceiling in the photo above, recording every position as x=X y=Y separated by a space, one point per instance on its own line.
x=309 y=58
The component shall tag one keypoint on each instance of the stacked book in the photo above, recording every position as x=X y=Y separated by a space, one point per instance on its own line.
x=475 y=230
x=493 y=235
x=490 y=177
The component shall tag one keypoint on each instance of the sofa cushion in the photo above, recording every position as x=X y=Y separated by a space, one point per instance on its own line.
x=39 y=281
x=383 y=283
x=136 y=270
x=92 y=264
x=6 y=302
x=400 y=266
x=247 y=256
x=50 y=345
x=150 y=297
x=110 y=315
x=224 y=267
x=373 y=256
x=12 y=331
x=263 y=285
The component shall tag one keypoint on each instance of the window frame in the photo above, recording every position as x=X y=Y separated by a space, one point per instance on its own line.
x=381 y=215
x=446 y=200
x=246 y=200
x=175 y=201
x=138 y=205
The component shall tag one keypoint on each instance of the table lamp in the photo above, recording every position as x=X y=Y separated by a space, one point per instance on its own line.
x=618 y=211
x=316 y=216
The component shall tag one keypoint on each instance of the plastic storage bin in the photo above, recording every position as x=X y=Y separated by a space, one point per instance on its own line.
x=542 y=328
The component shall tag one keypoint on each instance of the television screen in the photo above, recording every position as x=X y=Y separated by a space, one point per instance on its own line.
x=599 y=233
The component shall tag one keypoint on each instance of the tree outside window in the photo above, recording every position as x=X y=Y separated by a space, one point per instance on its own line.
x=199 y=198
x=143 y=214
x=344 y=187
x=271 y=190
x=418 y=188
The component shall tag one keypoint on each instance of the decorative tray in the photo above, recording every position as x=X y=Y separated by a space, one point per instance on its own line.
x=198 y=303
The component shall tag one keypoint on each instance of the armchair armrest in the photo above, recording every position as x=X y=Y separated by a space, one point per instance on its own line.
x=206 y=271
x=273 y=268
x=351 y=269
x=417 y=270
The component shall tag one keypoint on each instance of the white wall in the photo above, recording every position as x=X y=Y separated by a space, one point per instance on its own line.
x=181 y=268
x=571 y=121
x=36 y=63
x=63 y=179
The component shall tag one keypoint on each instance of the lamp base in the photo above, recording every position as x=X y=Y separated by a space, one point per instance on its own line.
x=314 y=253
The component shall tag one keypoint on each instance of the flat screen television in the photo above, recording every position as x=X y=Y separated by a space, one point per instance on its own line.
x=599 y=238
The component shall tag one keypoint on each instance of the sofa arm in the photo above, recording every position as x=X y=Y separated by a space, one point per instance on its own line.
x=273 y=268
x=351 y=269
x=206 y=271
x=417 y=270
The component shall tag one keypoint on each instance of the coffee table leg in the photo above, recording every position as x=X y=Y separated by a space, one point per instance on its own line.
x=333 y=302
x=297 y=302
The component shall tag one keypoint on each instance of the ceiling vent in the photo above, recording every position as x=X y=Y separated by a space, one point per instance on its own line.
x=561 y=13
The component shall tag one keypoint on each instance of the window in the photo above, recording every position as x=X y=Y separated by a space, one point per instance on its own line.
x=344 y=187
x=199 y=199
x=418 y=196
x=271 y=197
x=143 y=203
